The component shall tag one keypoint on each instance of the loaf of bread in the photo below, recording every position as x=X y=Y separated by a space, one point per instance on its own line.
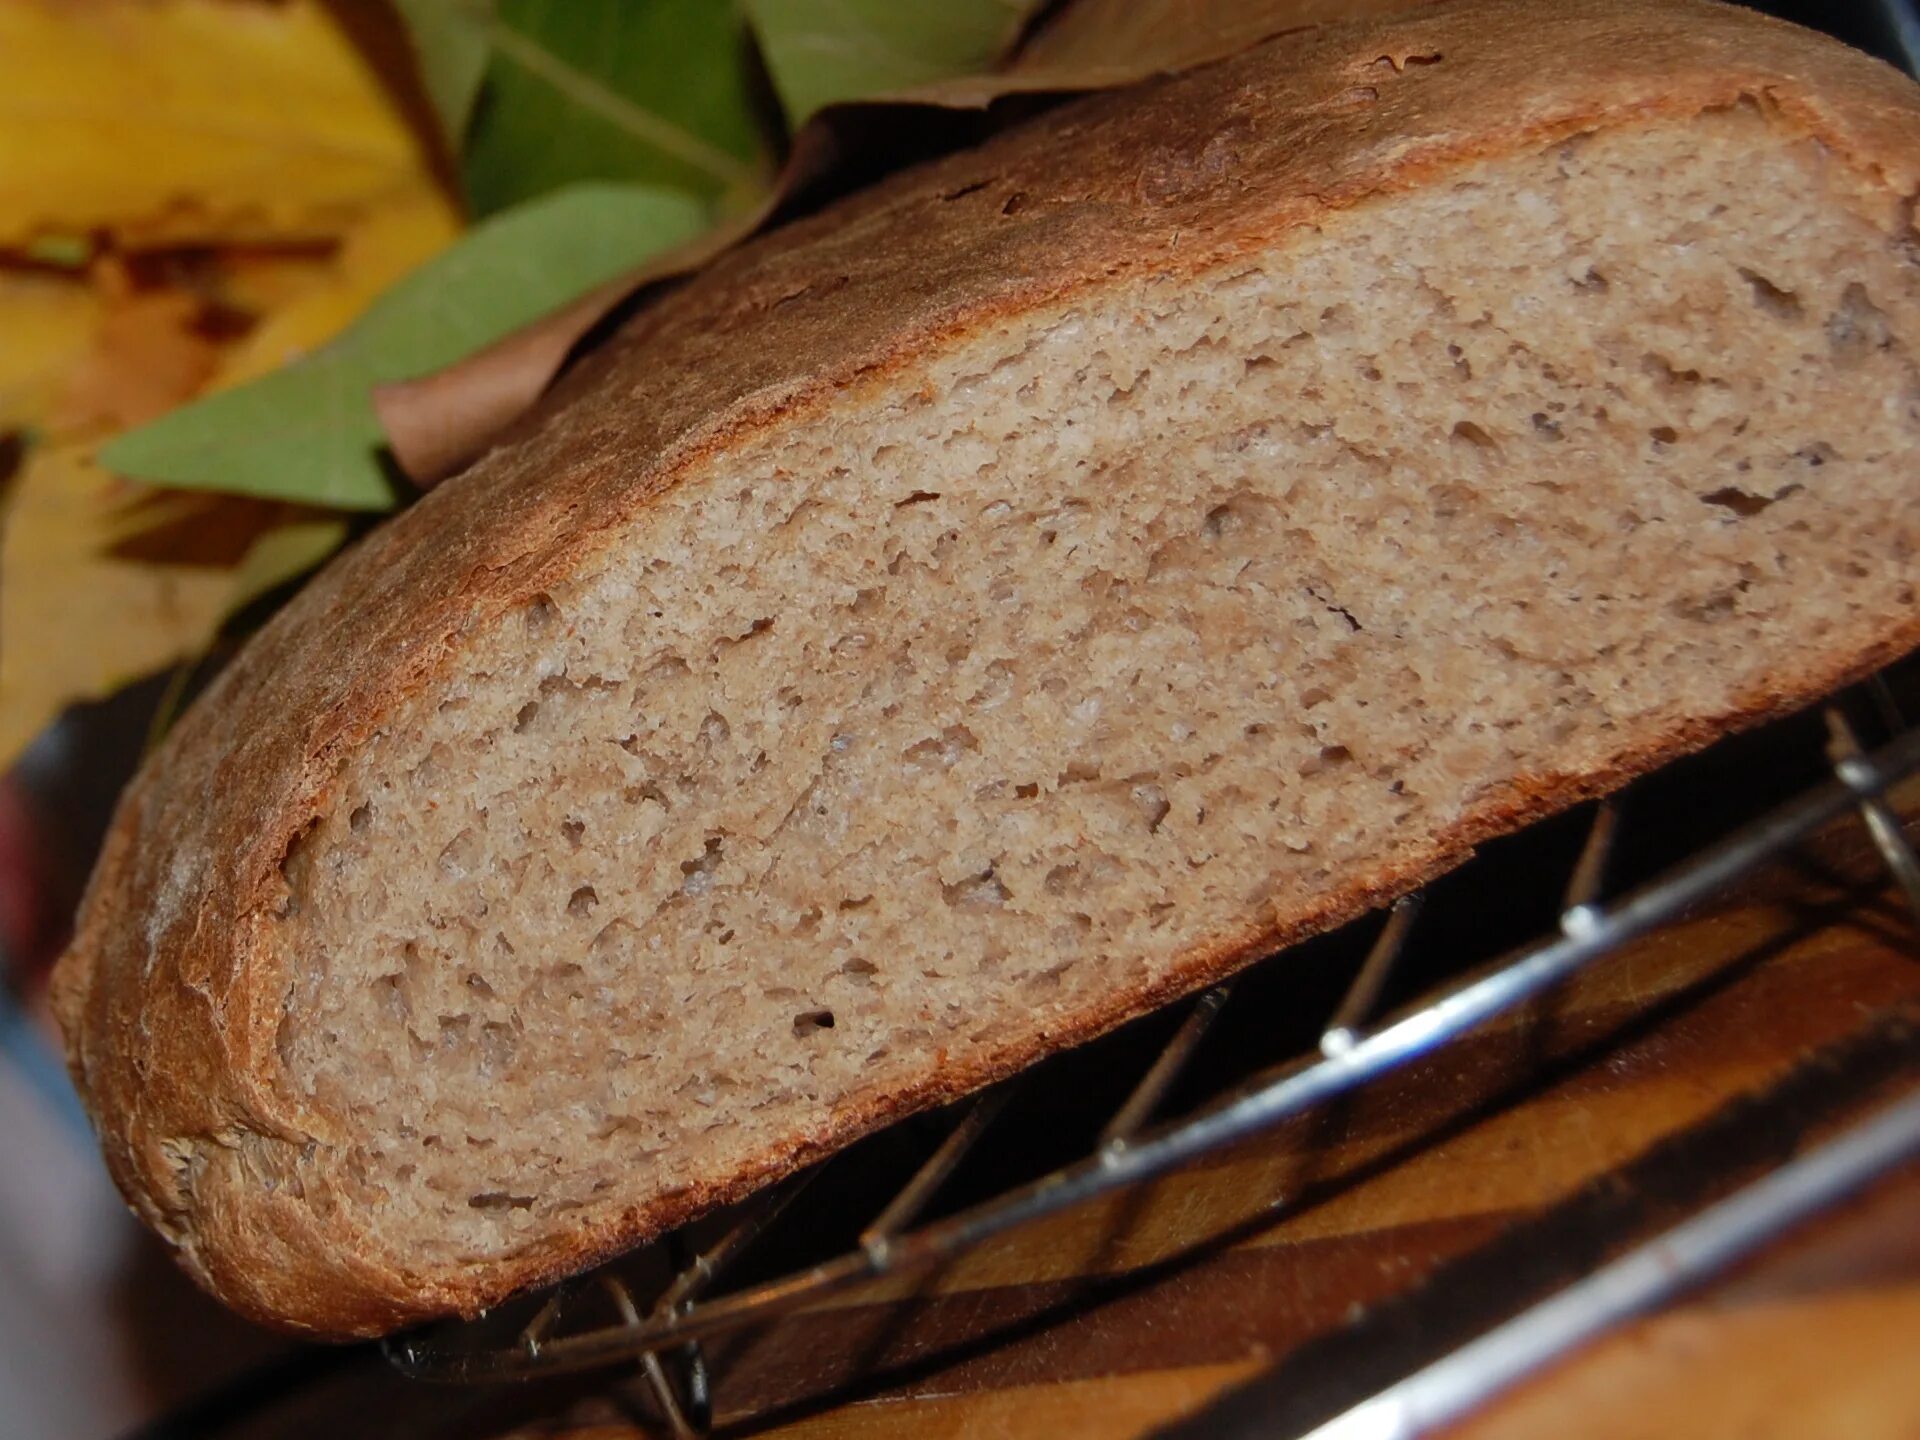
x=997 y=605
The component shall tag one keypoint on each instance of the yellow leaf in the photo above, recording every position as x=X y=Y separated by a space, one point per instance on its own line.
x=391 y=240
x=77 y=618
x=101 y=581
x=48 y=322
x=165 y=121
x=257 y=131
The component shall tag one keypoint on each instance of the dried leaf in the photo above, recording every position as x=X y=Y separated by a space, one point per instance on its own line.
x=308 y=432
x=437 y=423
x=430 y=422
x=78 y=621
x=822 y=52
x=149 y=353
x=180 y=120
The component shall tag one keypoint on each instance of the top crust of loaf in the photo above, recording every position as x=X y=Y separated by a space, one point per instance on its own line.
x=170 y=995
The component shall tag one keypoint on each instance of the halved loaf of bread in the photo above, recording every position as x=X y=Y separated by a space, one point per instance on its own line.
x=1003 y=602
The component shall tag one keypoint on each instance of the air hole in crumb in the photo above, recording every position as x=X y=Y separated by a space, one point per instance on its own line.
x=1327 y=758
x=526 y=717
x=728 y=642
x=942 y=751
x=1403 y=63
x=1858 y=327
x=1744 y=502
x=982 y=892
x=859 y=902
x=645 y=794
x=1543 y=426
x=1026 y=792
x=1014 y=203
x=918 y=497
x=1664 y=434
x=699 y=871
x=572 y=830
x=500 y=1200
x=809 y=1022
x=360 y=818
x=1222 y=521
x=392 y=997
x=1779 y=303
x=1592 y=282
x=617 y=937
x=541 y=613
x=580 y=904
x=1662 y=369
x=666 y=670
x=479 y=986
x=296 y=867
x=859 y=967
x=1473 y=435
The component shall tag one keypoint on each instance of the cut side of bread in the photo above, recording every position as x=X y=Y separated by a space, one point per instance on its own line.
x=1007 y=601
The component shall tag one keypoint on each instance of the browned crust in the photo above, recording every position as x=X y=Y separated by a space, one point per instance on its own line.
x=170 y=996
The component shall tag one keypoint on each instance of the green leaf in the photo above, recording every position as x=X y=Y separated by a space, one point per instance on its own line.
x=653 y=91
x=823 y=51
x=309 y=433
x=450 y=43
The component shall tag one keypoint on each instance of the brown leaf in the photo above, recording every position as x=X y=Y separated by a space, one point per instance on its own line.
x=150 y=352
x=439 y=423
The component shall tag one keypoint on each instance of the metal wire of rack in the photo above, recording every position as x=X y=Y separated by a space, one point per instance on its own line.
x=666 y=1335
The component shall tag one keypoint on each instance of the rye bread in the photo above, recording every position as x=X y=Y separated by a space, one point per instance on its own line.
x=1014 y=597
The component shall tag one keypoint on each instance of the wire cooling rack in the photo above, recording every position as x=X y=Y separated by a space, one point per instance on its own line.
x=606 y=1318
